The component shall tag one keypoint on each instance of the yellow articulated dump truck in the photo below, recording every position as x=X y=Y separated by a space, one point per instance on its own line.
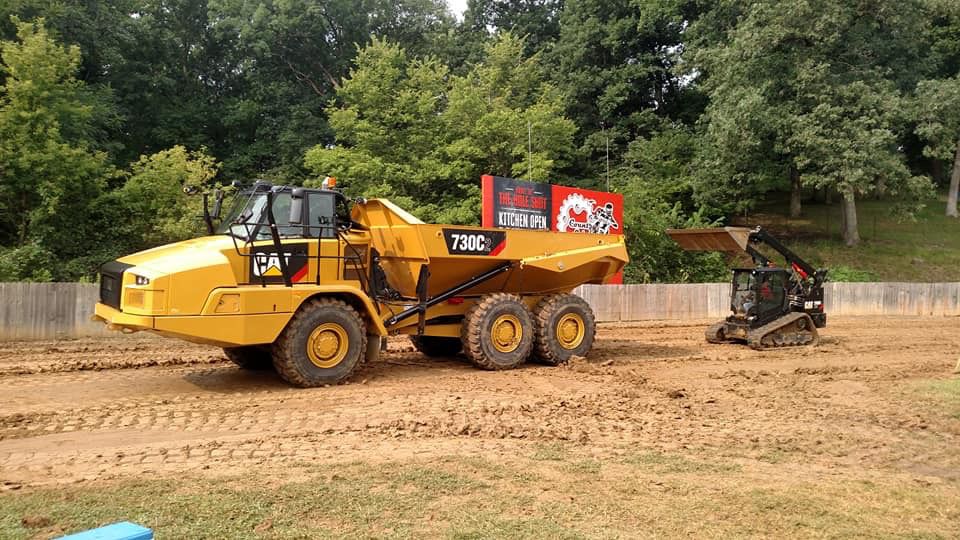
x=302 y=281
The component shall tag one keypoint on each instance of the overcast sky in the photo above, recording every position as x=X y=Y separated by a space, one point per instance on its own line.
x=457 y=7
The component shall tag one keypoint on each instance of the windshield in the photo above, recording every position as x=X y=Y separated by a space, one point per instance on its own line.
x=322 y=213
x=248 y=217
x=743 y=296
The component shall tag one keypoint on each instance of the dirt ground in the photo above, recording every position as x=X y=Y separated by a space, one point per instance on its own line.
x=864 y=405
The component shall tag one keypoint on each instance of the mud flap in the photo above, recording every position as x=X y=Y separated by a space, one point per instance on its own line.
x=375 y=344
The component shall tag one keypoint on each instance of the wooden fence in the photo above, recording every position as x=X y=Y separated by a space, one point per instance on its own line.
x=48 y=310
x=63 y=310
x=712 y=300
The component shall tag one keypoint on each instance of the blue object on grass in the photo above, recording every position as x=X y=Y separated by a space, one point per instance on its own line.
x=118 y=531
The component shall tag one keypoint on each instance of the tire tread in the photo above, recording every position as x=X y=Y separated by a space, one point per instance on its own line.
x=283 y=360
x=472 y=330
x=543 y=312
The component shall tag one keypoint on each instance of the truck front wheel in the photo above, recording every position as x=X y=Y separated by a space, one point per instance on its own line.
x=324 y=343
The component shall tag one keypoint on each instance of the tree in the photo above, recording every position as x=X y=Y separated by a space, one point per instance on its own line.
x=936 y=100
x=292 y=56
x=779 y=78
x=846 y=142
x=49 y=172
x=536 y=21
x=657 y=178
x=615 y=61
x=409 y=130
x=937 y=108
x=155 y=186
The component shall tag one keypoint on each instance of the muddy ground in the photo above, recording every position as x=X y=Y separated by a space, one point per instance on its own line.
x=657 y=434
x=864 y=404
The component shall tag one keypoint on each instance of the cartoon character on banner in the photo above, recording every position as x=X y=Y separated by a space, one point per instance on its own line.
x=596 y=220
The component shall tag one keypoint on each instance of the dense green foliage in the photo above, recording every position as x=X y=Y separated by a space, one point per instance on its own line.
x=397 y=139
x=696 y=110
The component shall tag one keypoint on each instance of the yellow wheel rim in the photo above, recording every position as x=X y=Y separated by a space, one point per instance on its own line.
x=507 y=333
x=327 y=345
x=570 y=331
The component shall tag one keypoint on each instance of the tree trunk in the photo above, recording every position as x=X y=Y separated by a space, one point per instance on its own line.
x=851 y=234
x=24 y=216
x=954 y=184
x=936 y=170
x=795 y=192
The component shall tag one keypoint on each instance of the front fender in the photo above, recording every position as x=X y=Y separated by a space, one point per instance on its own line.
x=352 y=295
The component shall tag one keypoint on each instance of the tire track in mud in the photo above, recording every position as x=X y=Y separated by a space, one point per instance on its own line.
x=646 y=386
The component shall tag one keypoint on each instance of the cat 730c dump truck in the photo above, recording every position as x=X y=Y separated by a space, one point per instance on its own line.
x=304 y=282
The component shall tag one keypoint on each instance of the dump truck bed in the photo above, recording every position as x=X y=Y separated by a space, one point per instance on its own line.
x=544 y=261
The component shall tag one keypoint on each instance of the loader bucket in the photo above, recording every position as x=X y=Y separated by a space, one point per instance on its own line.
x=725 y=239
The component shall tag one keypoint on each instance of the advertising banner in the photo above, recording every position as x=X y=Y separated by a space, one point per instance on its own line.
x=517 y=204
x=585 y=210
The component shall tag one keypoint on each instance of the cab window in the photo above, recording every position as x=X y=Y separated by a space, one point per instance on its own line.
x=320 y=216
x=772 y=290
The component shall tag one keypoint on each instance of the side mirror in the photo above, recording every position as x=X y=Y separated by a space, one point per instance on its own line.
x=296 y=206
x=217 y=204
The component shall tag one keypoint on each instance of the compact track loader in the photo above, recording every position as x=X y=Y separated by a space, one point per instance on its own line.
x=772 y=307
x=301 y=281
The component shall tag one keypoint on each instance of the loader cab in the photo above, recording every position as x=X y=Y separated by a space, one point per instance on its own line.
x=759 y=294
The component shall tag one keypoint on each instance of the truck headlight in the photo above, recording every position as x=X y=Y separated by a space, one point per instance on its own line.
x=141 y=280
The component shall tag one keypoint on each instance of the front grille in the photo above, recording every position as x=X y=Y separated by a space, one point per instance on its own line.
x=111 y=283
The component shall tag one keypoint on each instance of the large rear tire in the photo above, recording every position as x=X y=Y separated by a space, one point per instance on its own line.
x=253 y=357
x=437 y=346
x=498 y=332
x=566 y=327
x=324 y=343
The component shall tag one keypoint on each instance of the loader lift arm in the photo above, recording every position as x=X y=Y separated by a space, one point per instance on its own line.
x=759 y=235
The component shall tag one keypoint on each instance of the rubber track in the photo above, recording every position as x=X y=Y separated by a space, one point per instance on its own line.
x=283 y=344
x=755 y=337
x=470 y=332
x=713 y=332
x=541 y=316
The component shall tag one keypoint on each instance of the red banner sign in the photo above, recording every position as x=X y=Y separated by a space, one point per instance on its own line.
x=584 y=210
x=517 y=204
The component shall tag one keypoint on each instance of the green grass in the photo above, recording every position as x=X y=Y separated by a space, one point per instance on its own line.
x=644 y=493
x=662 y=463
x=550 y=452
x=946 y=391
x=927 y=249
